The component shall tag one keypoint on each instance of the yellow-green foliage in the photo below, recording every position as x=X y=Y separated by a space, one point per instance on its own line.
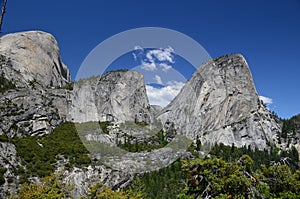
x=102 y=192
x=49 y=187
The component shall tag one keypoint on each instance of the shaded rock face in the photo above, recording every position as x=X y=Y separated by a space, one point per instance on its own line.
x=220 y=104
x=32 y=112
x=116 y=96
x=34 y=55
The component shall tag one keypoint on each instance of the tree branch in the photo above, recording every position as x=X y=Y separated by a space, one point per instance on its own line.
x=2 y=13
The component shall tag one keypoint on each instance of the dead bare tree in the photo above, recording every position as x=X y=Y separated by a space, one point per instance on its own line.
x=2 y=13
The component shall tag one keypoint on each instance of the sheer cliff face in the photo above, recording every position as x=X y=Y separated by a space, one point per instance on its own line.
x=116 y=96
x=219 y=104
x=34 y=55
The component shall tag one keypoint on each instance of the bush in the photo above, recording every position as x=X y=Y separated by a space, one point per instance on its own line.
x=104 y=126
x=6 y=84
x=2 y=179
x=49 y=188
x=39 y=154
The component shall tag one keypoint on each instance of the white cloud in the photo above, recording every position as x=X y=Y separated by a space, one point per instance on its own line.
x=134 y=56
x=139 y=51
x=148 y=66
x=165 y=67
x=152 y=59
x=266 y=100
x=163 y=96
x=161 y=55
x=158 y=80
x=138 y=48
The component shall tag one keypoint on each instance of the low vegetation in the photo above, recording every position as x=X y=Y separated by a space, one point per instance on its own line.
x=226 y=172
x=68 y=86
x=2 y=171
x=5 y=84
x=131 y=143
x=217 y=178
x=167 y=182
x=289 y=127
x=50 y=187
x=194 y=178
x=231 y=154
x=102 y=192
x=104 y=126
x=39 y=154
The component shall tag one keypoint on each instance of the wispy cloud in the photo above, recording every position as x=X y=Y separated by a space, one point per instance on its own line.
x=149 y=66
x=158 y=80
x=138 y=52
x=266 y=100
x=165 y=67
x=138 y=48
x=151 y=60
x=163 y=96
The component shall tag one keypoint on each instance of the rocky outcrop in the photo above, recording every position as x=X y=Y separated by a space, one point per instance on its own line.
x=83 y=178
x=32 y=112
x=31 y=61
x=220 y=104
x=115 y=96
x=290 y=134
x=11 y=163
x=34 y=56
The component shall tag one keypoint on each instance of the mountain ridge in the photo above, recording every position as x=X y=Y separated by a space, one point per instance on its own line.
x=219 y=104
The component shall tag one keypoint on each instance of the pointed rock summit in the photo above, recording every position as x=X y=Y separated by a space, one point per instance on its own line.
x=219 y=104
x=34 y=56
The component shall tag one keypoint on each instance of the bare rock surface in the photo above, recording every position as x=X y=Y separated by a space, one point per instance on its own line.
x=117 y=96
x=34 y=56
x=220 y=104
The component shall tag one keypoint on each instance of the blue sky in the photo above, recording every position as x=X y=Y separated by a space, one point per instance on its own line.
x=267 y=33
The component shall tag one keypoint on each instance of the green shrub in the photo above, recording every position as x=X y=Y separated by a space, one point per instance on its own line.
x=6 y=84
x=2 y=179
x=104 y=126
x=39 y=154
x=155 y=142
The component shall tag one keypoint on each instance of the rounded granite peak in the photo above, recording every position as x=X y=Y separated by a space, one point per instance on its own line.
x=34 y=56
